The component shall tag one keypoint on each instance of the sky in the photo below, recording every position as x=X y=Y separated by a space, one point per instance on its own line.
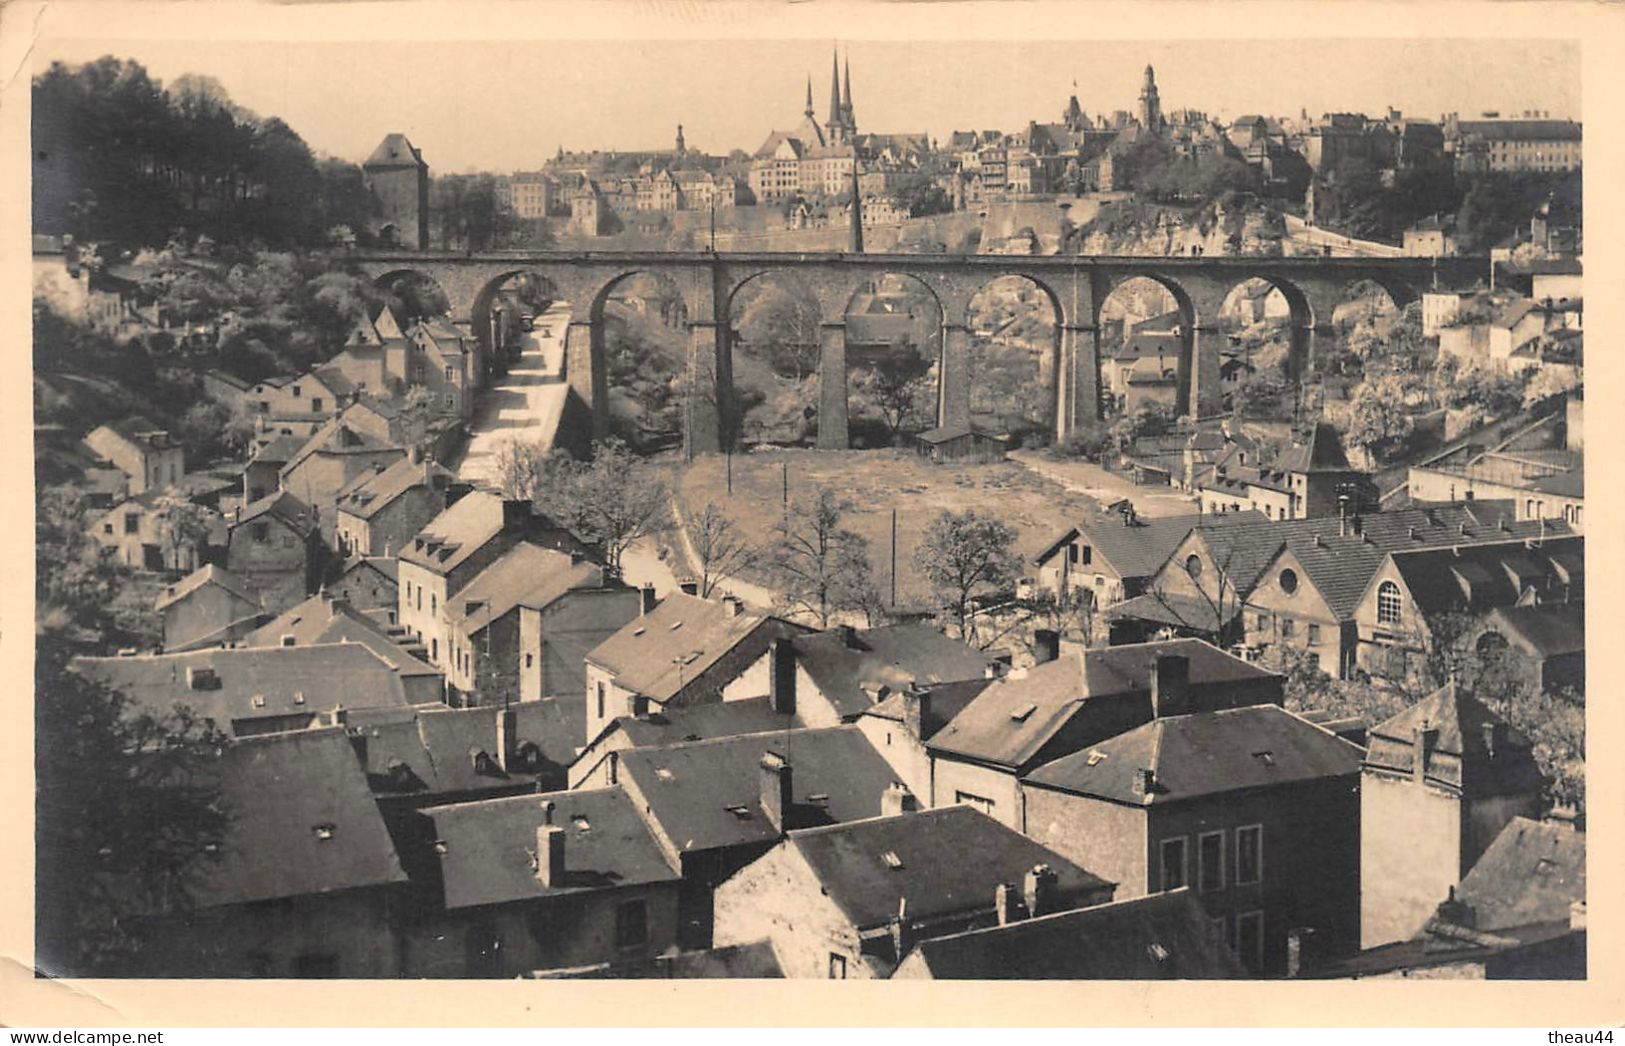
x=509 y=105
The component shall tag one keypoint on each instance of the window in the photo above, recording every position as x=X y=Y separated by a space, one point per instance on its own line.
x=451 y=373
x=1249 y=854
x=981 y=803
x=1287 y=626
x=1173 y=863
x=297 y=392
x=837 y=966
x=1250 y=940
x=1389 y=603
x=1072 y=553
x=451 y=402
x=600 y=700
x=262 y=531
x=530 y=659
x=419 y=601
x=132 y=523
x=1210 y=861
x=434 y=603
x=265 y=406
x=417 y=373
x=1314 y=635
x=1193 y=565
x=107 y=528
x=1088 y=554
x=434 y=649
x=315 y=404
x=631 y=925
x=1289 y=581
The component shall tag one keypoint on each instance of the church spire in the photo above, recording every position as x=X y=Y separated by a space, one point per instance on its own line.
x=834 y=88
x=847 y=114
x=809 y=110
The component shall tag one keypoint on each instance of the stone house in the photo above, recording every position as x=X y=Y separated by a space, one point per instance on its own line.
x=904 y=720
x=381 y=510
x=849 y=901
x=274 y=546
x=1254 y=808
x=141 y=450
x=145 y=533
x=597 y=763
x=845 y=672
x=331 y=460
x=262 y=475
x=1114 y=558
x=325 y=619
x=209 y=606
x=369 y=583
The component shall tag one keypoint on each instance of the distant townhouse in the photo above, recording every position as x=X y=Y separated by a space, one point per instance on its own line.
x=686 y=651
x=148 y=532
x=1196 y=798
x=537 y=882
x=332 y=459
x=208 y=607
x=445 y=361
x=1065 y=704
x=1520 y=144
x=141 y=450
x=381 y=510
x=1439 y=782
x=274 y=547
x=521 y=629
x=1165 y=936
x=716 y=805
x=850 y=901
x=326 y=619
x=454 y=548
x=304 y=400
x=306 y=883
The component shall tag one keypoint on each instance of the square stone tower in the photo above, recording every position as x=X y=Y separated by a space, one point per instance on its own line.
x=398 y=179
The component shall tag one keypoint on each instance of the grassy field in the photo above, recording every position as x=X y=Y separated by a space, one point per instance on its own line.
x=875 y=482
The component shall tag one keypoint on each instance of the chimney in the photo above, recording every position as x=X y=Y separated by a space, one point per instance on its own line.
x=689 y=588
x=849 y=636
x=1170 y=685
x=1422 y=746
x=516 y=512
x=507 y=736
x=640 y=706
x=550 y=855
x=897 y=800
x=415 y=455
x=1038 y=890
x=646 y=599
x=1005 y=905
x=1046 y=645
x=916 y=709
x=1145 y=781
x=777 y=793
x=781 y=682
x=733 y=606
x=902 y=935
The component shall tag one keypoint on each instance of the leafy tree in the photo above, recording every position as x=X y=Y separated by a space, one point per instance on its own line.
x=897 y=389
x=965 y=556
x=719 y=546
x=1378 y=419
x=128 y=817
x=820 y=567
x=783 y=329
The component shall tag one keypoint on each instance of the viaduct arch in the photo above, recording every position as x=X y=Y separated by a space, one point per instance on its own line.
x=1076 y=287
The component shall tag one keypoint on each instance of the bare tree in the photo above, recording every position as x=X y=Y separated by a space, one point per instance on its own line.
x=821 y=568
x=719 y=547
x=518 y=468
x=965 y=556
x=184 y=527
x=615 y=501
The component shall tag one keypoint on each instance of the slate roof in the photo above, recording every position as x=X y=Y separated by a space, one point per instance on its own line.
x=280 y=505
x=279 y=451
x=388 y=566
x=1165 y=936
x=754 y=961
x=303 y=822
x=753 y=715
x=460 y=531
x=429 y=749
x=205 y=575
x=948 y=433
x=1531 y=874
x=321 y=619
x=486 y=847
x=1139 y=549
x=1522 y=130
x=659 y=652
x=1545 y=630
x=527 y=575
x=946 y=701
x=692 y=789
x=895 y=655
x=337 y=437
x=1205 y=753
x=949 y=861
x=1321 y=452
x=1462 y=757
x=1439 y=579
x=395 y=151
x=254 y=683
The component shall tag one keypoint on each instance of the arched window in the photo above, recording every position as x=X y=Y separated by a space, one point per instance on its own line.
x=1389 y=603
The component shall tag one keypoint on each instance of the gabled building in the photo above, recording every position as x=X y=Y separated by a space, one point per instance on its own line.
x=274 y=547
x=1067 y=703
x=262 y=474
x=904 y=720
x=1312 y=478
x=845 y=672
x=1114 y=558
x=141 y=450
x=208 y=607
x=370 y=583
x=596 y=765
x=148 y=531
x=850 y=900
x=686 y=651
x=1196 y=798
x=445 y=361
x=332 y=459
x=1545 y=643
x=1439 y=782
x=380 y=511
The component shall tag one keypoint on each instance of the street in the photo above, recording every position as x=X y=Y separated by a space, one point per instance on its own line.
x=527 y=402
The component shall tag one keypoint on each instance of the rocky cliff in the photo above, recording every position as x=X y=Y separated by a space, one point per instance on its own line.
x=1134 y=227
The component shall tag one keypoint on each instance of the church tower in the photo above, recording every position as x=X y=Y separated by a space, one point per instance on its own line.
x=1150 y=106
x=808 y=112
x=835 y=125
x=682 y=146
x=847 y=115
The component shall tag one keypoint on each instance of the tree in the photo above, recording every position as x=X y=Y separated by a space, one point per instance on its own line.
x=721 y=550
x=184 y=529
x=785 y=330
x=519 y=468
x=897 y=390
x=820 y=567
x=613 y=501
x=128 y=816
x=965 y=556
x=1378 y=418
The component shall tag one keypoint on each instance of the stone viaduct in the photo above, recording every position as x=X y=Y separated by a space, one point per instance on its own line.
x=1076 y=286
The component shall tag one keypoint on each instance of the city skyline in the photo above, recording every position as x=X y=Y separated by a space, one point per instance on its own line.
x=729 y=94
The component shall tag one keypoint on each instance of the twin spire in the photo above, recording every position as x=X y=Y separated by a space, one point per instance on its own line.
x=842 y=124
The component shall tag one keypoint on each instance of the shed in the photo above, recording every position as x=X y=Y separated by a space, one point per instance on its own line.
x=955 y=443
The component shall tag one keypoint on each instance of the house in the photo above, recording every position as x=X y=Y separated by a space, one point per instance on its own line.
x=1545 y=643
x=262 y=475
x=1412 y=592
x=301 y=399
x=369 y=583
x=904 y=720
x=455 y=546
x=1544 y=484
x=1311 y=478
x=1432 y=237
x=1254 y=807
x=325 y=619
x=1068 y=702
x=597 y=763
x=959 y=443
x=373 y=359
x=536 y=882
x=444 y=361
x=1164 y=936
x=1115 y=557
x=273 y=546
x=1439 y=782
x=306 y=882
x=382 y=509
x=1520 y=914
x=521 y=629
x=330 y=461
x=686 y=651
x=716 y=805
x=208 y=607
x=260 y=690
x=153 y=531
x=141 y=450
x=849 y=900
x=844 y=672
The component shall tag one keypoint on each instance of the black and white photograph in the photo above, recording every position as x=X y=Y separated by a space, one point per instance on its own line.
x=806 y=499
